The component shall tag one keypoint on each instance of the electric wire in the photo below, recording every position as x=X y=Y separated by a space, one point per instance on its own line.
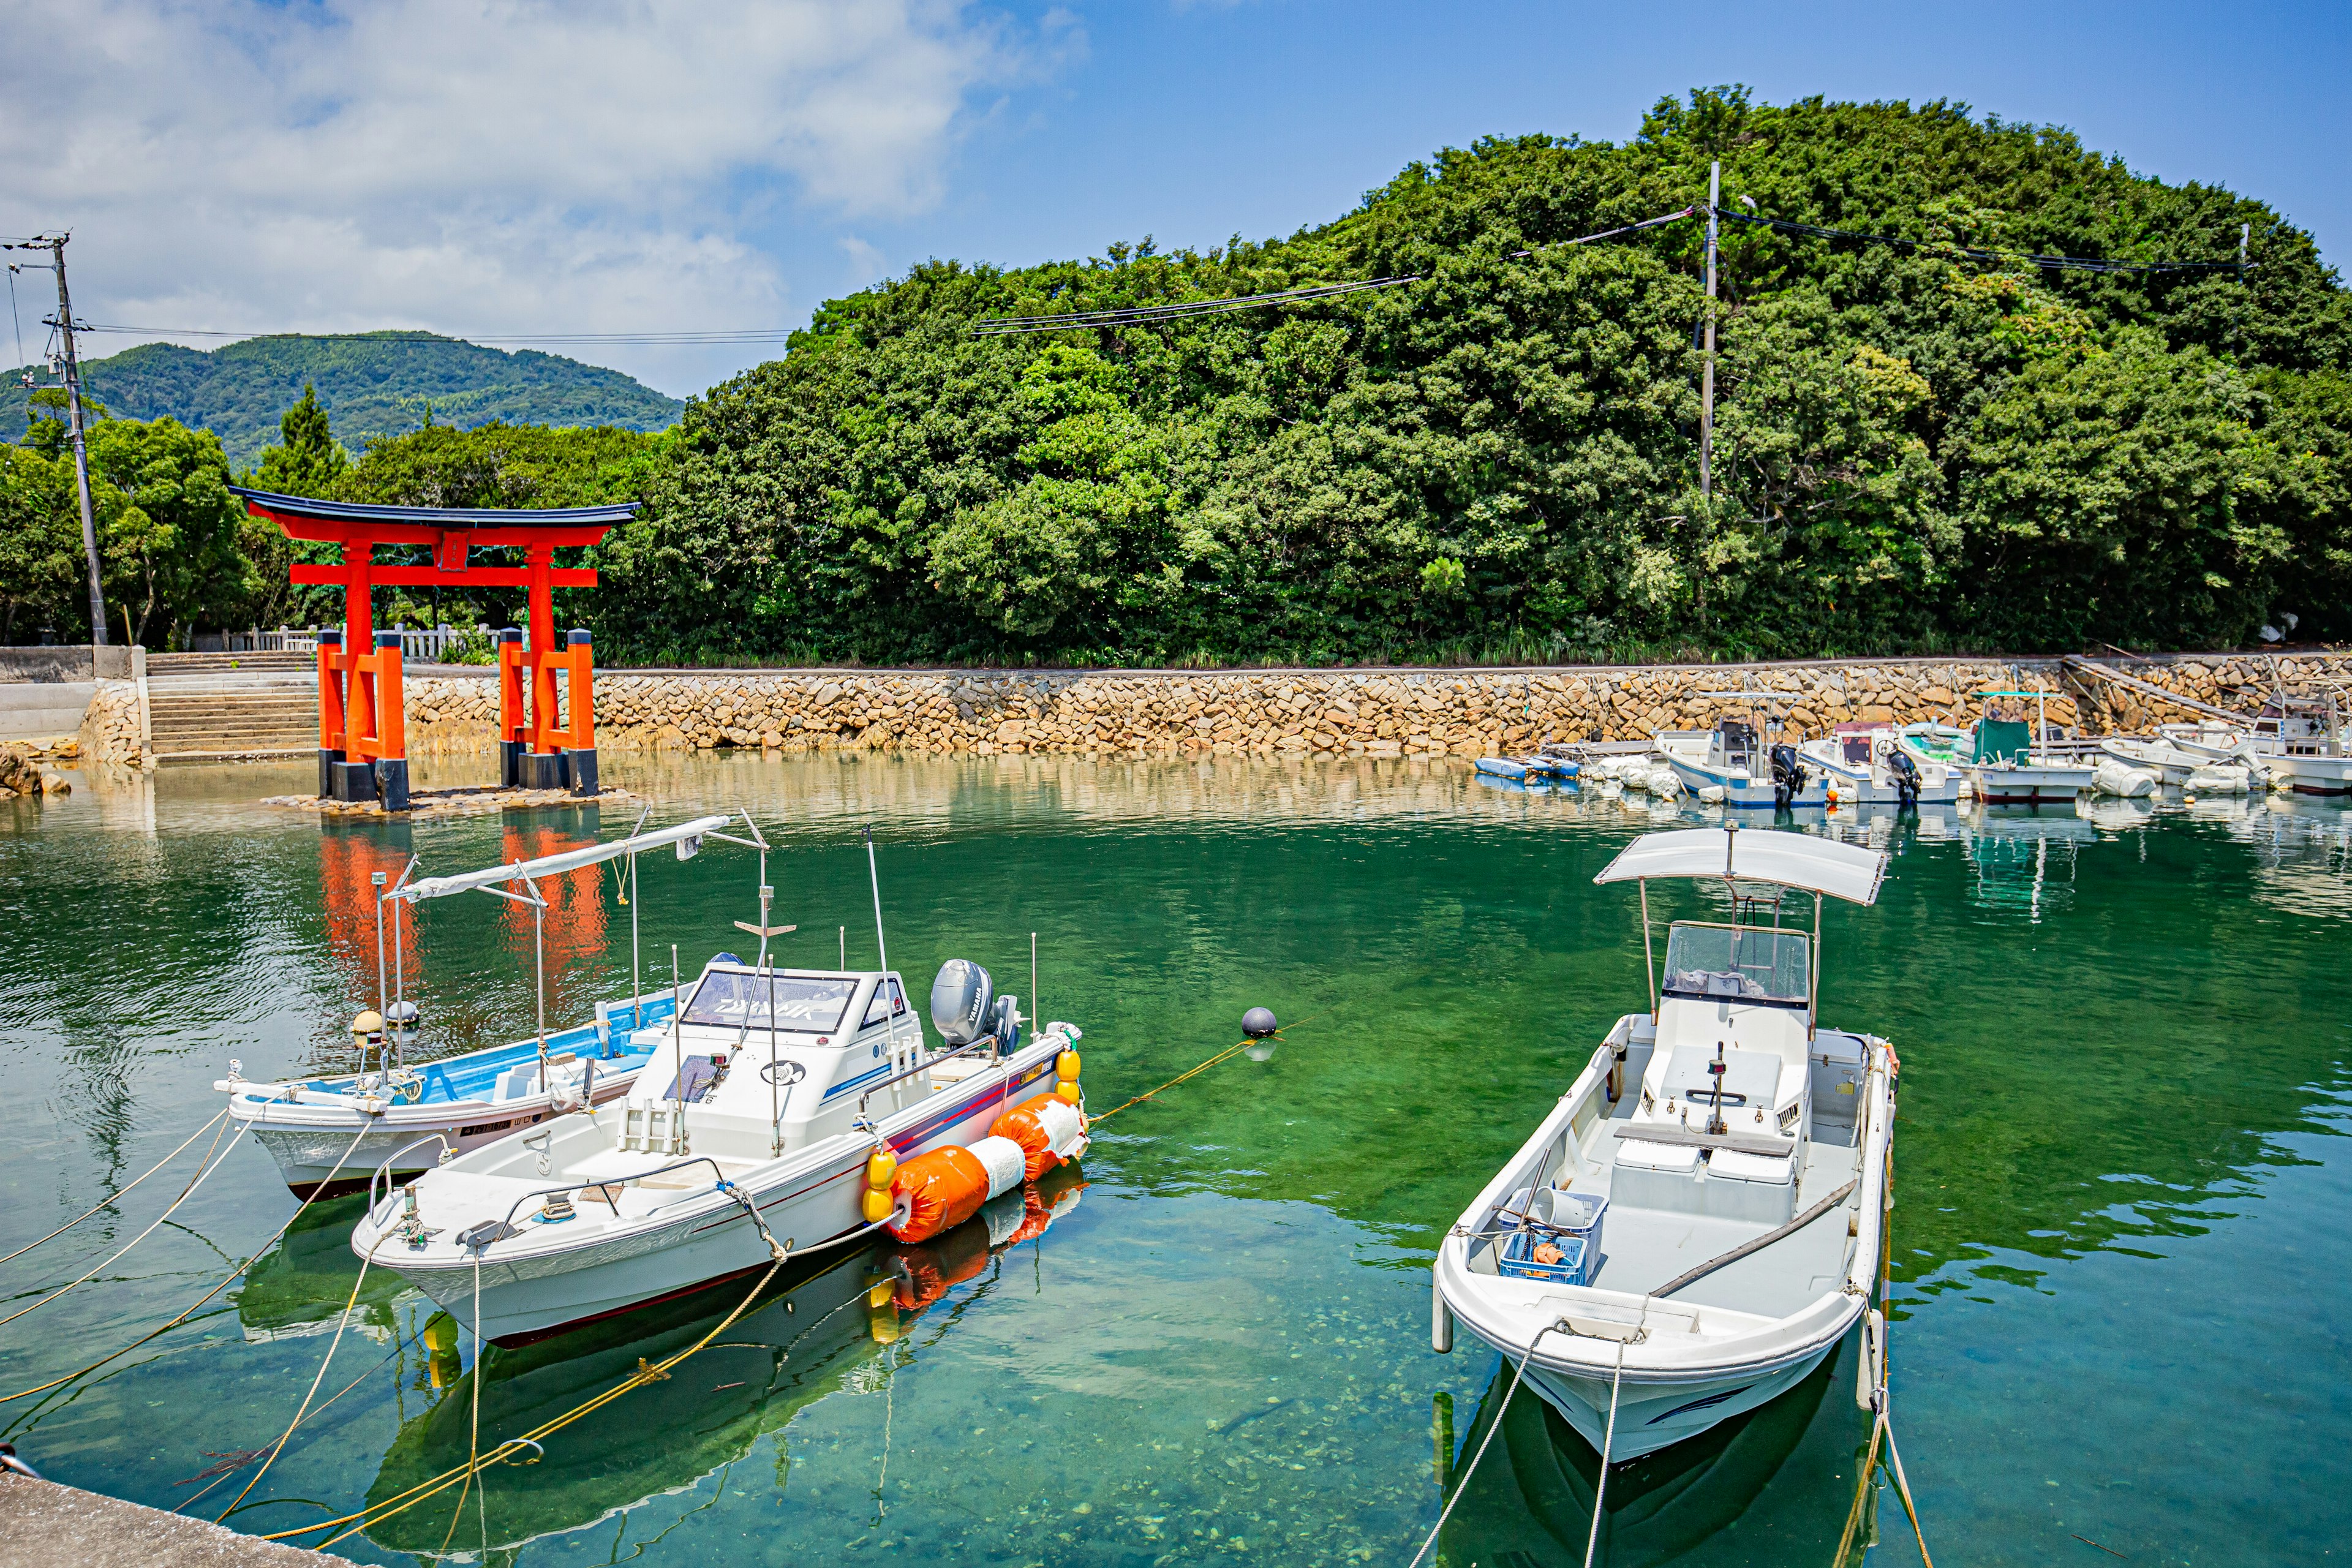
x=2074 y=263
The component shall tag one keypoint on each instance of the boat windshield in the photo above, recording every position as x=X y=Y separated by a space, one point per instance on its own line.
x=804 y=1004
x=1741 y=963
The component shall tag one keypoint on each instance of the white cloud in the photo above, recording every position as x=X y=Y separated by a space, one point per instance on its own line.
x=475 y=165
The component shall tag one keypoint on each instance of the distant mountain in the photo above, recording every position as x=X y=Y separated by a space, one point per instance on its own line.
x=373 y=385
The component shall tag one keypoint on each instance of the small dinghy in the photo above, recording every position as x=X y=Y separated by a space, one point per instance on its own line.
x=802 y=1108
x=328 y=1133
x=2168 y=763
x=1698 y=1221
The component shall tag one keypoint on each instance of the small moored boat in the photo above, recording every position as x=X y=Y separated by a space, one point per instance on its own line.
x=803 y=1108
x=1751 y=774
x=2005 y=763
x=327 y=1132
x=1699 y=1220
x=1866 y=764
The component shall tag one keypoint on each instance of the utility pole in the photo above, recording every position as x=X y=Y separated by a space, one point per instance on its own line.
x=1706 y=375
x=55 y=244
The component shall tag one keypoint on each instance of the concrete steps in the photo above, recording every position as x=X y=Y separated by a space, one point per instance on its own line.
x=209 y=720
x=227 y=663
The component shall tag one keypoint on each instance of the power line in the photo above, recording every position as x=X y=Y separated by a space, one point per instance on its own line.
x=2073 y=263
x=713 y=335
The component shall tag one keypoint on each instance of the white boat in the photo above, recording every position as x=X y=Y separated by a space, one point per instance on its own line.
x=2169 y=764
x=2005 y=764
x=788 y=1091
x=1868 y=765
x=2298 y=744
x=1714 y=1182
x=1752 y=774
x=328 y=1133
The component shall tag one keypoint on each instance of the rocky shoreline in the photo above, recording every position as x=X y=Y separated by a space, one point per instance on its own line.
x=1386 y=712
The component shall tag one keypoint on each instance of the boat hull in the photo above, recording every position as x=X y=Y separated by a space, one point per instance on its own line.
x=315 y=1156
x=803 y=1203
x=1654 y=1416
x=2310 y=775
x=2027 y=785
x=1743 y=792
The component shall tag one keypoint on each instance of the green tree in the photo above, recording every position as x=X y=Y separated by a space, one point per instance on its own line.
x=43 y=580
x=168 y=529
x=307 y=460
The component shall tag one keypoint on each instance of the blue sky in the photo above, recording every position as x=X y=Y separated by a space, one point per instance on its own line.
x=625 y=167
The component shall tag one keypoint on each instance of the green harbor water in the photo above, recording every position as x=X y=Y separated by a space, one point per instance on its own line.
x=2123 y=1197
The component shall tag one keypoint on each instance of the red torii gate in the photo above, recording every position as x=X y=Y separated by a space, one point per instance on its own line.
x=362 y=740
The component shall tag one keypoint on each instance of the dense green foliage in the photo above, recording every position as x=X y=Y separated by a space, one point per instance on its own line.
x=171 y=549
x=1913 y=450
x=374 y=384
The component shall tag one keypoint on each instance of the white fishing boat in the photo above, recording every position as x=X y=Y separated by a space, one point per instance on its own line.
x=2169 y=764
x=2006 y=763
x=793 y=1096
x=1752 y=774
x=1698 y=1221
x=327 y=1132
x=1866 y=764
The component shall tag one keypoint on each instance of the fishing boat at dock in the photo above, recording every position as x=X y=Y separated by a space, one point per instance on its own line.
x=2007 y=764
x=1750 y=773
x=804 y=1108
x=327 y=1132
x=1867 y=765
x=1698 y=1221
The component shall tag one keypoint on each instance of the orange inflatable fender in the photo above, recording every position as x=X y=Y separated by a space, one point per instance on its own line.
x=1038 y=1126
x=937 y=1192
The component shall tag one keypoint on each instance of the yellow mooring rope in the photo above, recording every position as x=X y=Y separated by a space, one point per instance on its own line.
x=400 y=1502
x=110 y=1198
x=1225 y=1055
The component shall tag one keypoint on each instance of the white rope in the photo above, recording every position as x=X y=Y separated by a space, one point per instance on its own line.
x=135 y=1240
x=1463 y=1484
x=110 y=1198
x=1608 y=1439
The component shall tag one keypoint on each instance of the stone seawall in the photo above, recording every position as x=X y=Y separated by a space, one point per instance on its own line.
x=1383 y=712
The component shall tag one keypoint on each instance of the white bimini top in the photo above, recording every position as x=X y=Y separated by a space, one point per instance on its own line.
x=1790 y=860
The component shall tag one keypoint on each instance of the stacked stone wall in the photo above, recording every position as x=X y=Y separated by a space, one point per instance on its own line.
x=109 y=726
x=1376 y=712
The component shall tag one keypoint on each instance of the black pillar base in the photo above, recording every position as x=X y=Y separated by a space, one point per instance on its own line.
x=392 y=778
x=544 y=770
x=353 y=781
x=510 y=756
x=584 y=772
x=327 y=757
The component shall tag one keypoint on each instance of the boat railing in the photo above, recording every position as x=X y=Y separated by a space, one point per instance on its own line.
x=873 y=1090
x=384 y=1171
x=507 y=1226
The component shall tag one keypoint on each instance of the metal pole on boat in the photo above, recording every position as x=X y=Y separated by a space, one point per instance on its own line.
x=393 y=1035
x=775 y=1106
x=845 y=947
x=636 y=962
x=677 y=1048
x=874 y=876
x=1649 y=960
x=539 y=971
x=1037 y=1013
x=376 y=879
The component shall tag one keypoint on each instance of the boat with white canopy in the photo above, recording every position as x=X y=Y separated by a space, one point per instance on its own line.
x=1699 y=1219
x=327 y=1132
x=792 y=1097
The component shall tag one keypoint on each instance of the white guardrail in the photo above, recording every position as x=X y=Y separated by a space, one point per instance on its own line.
x=429 y=644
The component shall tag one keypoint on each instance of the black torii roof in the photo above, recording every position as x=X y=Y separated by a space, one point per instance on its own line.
x=607 y=515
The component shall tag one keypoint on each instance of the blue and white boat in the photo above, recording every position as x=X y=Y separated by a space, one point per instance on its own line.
x=330 y=1133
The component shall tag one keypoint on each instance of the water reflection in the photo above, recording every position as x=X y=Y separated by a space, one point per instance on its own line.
x=832 y=1324
x=1772 y=1486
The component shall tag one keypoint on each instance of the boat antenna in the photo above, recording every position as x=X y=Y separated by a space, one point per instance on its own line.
x=1036 y=1013
x=676 y=1047
x=539 y=969
x=874 y=875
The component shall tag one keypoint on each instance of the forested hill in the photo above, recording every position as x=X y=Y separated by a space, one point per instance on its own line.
x=373 y=384
x=1915 y=449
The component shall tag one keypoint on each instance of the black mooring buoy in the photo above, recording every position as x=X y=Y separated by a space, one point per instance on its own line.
x=1258 y=1022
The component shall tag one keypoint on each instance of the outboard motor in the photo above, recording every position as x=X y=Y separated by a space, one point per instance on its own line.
x=962 y=1000
x=1788 y=775
x=1906 y=773
x=1004 y=1023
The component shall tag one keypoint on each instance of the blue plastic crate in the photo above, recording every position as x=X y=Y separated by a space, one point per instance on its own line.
x=1576 y=1258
